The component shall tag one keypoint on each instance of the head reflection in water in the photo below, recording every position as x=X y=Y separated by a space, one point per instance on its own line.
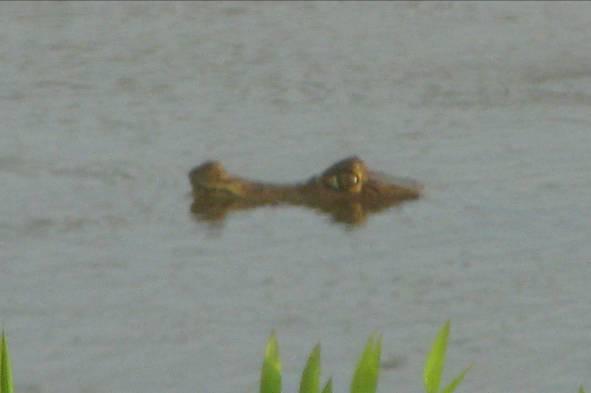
x=347 y=191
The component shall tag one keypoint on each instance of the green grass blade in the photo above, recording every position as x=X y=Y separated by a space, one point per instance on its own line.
x=310 y=382
x=5 y=367
x=456 y=381
x=328 y=386
x=271 y=370
x=436 y=360
x=365 y=379
x=581 y=389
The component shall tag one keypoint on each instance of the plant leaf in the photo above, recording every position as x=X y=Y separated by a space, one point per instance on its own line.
x=581 y=389
x=365 y=379
x=456 y=381
x=271 y=370
x=436 y=360
x=5 y=367
x=310 y=382
x=328 y=386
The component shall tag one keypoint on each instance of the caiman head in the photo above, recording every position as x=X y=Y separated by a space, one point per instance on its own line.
x=347 y=190
x=351 y=180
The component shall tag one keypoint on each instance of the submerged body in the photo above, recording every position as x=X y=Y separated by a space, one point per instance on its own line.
x=347 y=190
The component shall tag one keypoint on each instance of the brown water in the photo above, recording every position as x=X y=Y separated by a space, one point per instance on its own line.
x=107 y=284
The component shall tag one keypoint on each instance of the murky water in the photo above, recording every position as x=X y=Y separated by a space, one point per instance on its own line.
x=107 y=284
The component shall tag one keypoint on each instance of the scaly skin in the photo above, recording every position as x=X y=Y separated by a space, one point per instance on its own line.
x=347 y=190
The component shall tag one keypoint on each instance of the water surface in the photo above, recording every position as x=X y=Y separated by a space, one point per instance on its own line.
x=108 y=284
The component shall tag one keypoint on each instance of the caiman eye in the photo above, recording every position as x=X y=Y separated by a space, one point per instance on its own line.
x=342 y=181
x=347 y=181
x=333 y=183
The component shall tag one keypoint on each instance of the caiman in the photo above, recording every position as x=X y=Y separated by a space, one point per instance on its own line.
x=347 y=190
